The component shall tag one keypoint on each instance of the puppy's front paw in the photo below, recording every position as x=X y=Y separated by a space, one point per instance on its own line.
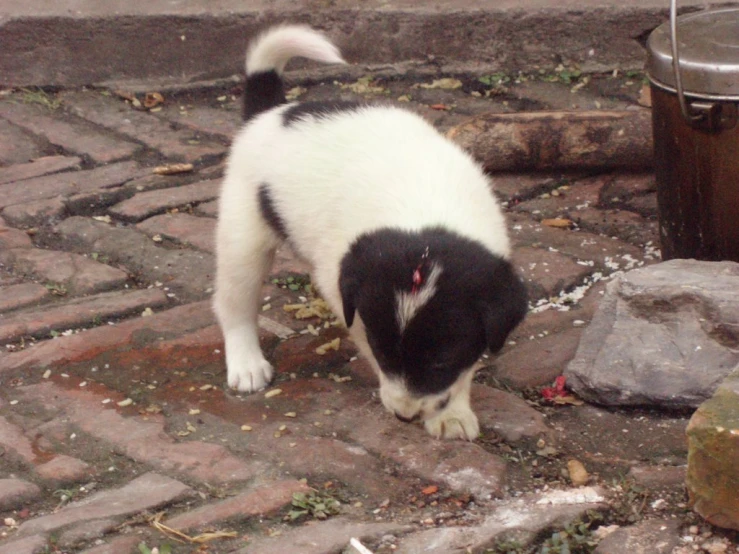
x=250 y=377
x=454 y=424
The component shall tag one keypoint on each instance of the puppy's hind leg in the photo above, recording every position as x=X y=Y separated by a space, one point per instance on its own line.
x=244 y=259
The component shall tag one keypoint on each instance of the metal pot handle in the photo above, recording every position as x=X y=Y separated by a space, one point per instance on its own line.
x=689 y=115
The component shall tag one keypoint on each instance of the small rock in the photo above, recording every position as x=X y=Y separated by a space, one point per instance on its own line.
x=715 y=546
x=577 y=473
x=713 y=441
x=604 y=530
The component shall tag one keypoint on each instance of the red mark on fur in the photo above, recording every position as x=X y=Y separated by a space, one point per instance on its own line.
x=417 y=275
x=417 y=280
x=558 y=390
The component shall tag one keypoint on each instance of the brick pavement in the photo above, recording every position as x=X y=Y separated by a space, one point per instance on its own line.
x=111 y=363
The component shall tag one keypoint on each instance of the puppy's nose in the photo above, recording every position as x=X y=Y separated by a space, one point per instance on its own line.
x=407 y=419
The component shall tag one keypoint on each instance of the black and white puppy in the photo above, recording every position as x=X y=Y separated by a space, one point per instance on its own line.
x=406 y=241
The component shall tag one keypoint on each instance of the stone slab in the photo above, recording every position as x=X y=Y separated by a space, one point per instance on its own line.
x=79 y=312
x=71 y=134
x=508 y=415
x=657 y=477
x=35 y=544
x=68 y=183
x=325 y=537
x=63 y=469
x=94 y=342
x=259 y=501
x=146 y=204
x=547 y=273
x=664 y=335
x=462 y=466
x=23 y=294
x=187 y=273
x=35 y=213
x=75 y=273
x=143 y=440
x=14 y=439
x=116 y=545
x=18 y=146
x=517 y=519
x=648 y=537
x=115 y=115
x=38 y=167
x=143 y=493
x=14 y=492
x=206 y=40
x=86 y=531
x=600 y=253
x=539 y=361
x=182 y=228
x=630 y=226
x=13 y=238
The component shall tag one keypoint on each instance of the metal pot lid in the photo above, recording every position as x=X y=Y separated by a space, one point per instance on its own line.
x=709 y=53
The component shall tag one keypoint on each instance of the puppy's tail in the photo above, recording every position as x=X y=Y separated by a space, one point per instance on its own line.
x=266 y=60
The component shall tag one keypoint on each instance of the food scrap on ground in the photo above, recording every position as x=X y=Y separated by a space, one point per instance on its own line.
x=315 y=307
x=332 y=345
x=172 y=169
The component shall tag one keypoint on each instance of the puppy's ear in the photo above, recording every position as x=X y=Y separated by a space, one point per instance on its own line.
x=349 y=288
x=504 y=308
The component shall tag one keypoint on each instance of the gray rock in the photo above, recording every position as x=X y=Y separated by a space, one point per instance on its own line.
x=663 y=335
x=321 y=538
x=649 y=537
x=520 y=519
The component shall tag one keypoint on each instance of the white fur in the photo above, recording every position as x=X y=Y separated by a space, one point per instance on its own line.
x=273 y=49
x=455 y=421
x=343 y=176
x=408 y=304
x=334 y=179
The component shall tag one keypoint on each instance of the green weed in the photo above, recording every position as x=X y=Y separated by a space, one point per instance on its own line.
x=166 y=548
x=57 y=289
x=295 y=282
x=313 y=504
x=495 y=79
x=507 y=547
x=39 y=97
x=566 y=75
x=575 y=538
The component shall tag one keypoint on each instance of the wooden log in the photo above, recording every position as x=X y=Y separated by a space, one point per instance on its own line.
x=538 y=141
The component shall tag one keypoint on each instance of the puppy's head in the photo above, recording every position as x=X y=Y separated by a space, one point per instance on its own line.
x=430 y=303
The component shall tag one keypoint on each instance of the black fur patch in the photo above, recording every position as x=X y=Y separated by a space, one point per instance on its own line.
x=479 y=300
x=262 y=91
x=443 y=403
x=304 y=110
x=269 y=213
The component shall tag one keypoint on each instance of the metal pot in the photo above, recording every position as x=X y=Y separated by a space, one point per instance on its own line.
x=695 y=94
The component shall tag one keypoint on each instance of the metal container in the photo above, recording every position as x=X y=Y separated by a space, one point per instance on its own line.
x=696 y=133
